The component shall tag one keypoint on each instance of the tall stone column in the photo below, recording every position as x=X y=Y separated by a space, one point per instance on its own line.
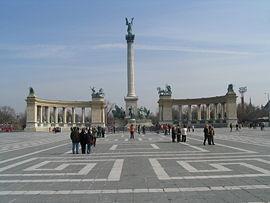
x=64 y=115
x=189 y=113
x=73 y=115
x=131 y=98
x=48 y=112
x=207 y=111
x=180 y=113
x=55 y=116
x=40 y=114
x=83 y=115
x=199 y=113
x=215 y=111
x=160 y=113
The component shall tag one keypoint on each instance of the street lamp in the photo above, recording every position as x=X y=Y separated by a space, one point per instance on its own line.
x=268 y=105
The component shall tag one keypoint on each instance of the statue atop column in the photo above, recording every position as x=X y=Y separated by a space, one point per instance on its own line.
x=129 y=37
x=129 y=24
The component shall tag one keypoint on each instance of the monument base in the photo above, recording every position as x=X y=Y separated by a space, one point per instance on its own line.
x=131 y=102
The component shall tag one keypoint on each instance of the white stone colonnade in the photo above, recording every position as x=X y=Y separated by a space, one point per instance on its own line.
x=43 y=115
x=223 y=108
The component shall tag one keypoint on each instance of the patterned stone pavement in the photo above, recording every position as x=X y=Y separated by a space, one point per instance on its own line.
x=39 y=167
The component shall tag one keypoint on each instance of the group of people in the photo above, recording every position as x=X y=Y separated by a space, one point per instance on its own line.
x=209 y=133
x=178 y=133
x=86 y=137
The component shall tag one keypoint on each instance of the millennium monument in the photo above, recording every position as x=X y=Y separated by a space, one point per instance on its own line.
x=131 y=98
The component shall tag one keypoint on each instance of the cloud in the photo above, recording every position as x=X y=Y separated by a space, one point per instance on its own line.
x=37 y=51
x=175 y=48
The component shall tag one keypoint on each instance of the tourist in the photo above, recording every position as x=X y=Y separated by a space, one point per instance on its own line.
x=173 y=133
x=169 y=129
x=98 y=131
x=94 y=134
x=184 y=133
x=103 y=132
x=83 y=140
x=89 y=141
x=236 y=126
x=139 y=129
x=74 y=136
x=178 y=133
x=193 y=128
x=143 y=129
x=131 y=130
x=211 y=135
x=231 y=126
x=206 y=134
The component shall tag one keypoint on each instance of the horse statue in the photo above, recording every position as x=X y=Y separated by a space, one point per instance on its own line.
x=165 y=92
x=118 y=112
x=143 y=113
x=98 y=94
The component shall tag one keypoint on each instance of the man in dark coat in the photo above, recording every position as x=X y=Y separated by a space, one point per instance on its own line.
x=206 y=134
x=83 y=140
x=74 y=136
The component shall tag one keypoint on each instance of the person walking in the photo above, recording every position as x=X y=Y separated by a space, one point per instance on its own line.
x=94 y=134
x=231 y=126
x=206 y=134
x=211 y=135
x=131 y=130
x=83 y=140
x=143 y=129
x=178 y=133
x=74 y=136
x=89 y=141
x=184 y=133
x=173 y=133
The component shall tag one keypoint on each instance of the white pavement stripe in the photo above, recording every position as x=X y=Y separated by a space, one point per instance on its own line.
x=126 y=139
x=160 y=172
x=16 y=164
x=155 y=146
x=137 y=190
x=239 y=149
x=32 y=153
x=116 y=171
x=194 y=147
x=140 y=139
x=114 y=147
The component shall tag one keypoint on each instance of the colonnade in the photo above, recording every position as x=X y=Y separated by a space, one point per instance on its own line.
x=43 y=114
x=223 y=109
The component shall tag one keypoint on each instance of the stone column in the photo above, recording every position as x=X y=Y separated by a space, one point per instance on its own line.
x=40 y=114
x=64 y=115
x=222 y=110
x=31 y=114
x=199 y=112
x=48 y=112
x=73 y=115
x=207 y=112
x=215 y=111
x=83 y=115
x=160 y=113
x=180 y=113
x=55 y=116
x=189 y=113
x=131 y=98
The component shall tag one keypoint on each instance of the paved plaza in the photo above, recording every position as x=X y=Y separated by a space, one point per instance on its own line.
x=39 y=167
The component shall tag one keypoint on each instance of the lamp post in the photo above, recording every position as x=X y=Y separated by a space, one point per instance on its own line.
x=268 y=105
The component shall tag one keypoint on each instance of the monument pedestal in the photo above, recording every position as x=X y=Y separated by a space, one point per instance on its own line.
x=131 y=102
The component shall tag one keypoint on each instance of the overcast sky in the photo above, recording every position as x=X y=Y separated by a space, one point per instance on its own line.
x=62 y=47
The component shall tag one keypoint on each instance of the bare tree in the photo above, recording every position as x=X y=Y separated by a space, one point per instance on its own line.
x=7 y=114
x=108 y=108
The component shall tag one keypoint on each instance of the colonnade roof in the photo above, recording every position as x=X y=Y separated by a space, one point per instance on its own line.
x=196 y=101
x=59 y=103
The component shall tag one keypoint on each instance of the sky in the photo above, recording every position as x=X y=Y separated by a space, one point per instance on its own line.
x=62 y=47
